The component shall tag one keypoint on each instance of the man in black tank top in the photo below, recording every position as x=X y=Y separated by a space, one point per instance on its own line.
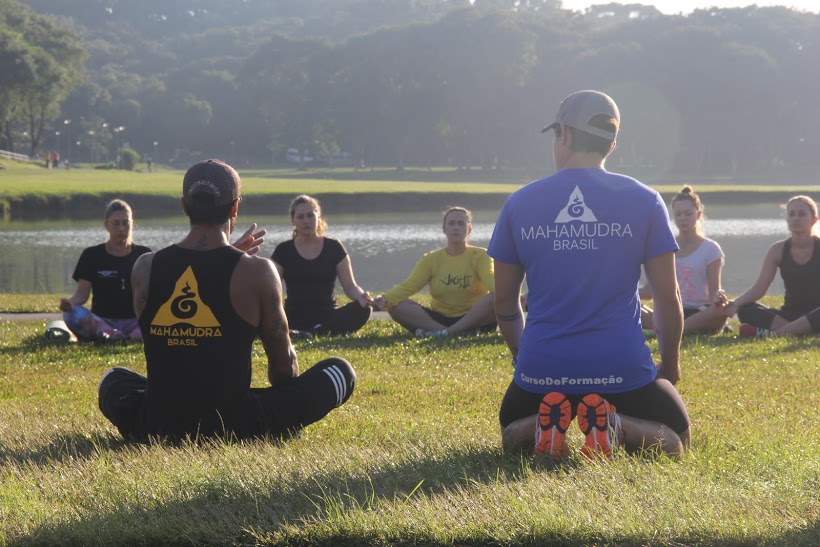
x=201 y=303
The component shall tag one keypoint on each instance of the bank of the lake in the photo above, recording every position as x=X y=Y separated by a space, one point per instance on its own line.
x=36 y=194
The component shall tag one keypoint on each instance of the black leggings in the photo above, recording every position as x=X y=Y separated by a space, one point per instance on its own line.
x=345 y=320
x=279 y=411
x=762 y=317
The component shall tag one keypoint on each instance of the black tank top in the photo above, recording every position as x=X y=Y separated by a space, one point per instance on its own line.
x=801 y=283
x=197 y=349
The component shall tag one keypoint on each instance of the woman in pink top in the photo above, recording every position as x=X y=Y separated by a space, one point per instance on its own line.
x=697 y=267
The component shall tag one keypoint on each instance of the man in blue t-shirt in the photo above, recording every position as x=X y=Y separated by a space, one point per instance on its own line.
x=581 y=237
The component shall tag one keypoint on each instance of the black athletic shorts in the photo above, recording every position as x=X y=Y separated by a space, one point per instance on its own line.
x=657 y=401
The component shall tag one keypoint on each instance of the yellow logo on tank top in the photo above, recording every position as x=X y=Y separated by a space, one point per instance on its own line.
x=184 y=317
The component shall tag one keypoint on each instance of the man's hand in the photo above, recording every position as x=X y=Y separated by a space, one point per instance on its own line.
x=670 y=373
x=250 y=241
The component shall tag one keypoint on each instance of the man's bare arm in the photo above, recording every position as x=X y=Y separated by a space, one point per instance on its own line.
x=508 y=281
x=273 y=325
x=140 y=276
x=668 y=313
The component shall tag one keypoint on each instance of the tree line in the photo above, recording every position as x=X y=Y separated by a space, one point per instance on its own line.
x=721 y=92
x=41 y=62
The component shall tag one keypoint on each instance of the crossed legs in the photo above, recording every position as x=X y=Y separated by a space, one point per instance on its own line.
x=763 y=317
x=411 y=315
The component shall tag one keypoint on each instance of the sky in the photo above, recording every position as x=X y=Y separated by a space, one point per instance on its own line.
x=687 y=6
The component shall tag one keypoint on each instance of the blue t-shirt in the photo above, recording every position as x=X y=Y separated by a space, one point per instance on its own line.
x=582 y=236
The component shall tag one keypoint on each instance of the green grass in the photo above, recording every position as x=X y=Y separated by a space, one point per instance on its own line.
x=414 y=458
x=41 y=183
x=30 y=303
x=20 y=180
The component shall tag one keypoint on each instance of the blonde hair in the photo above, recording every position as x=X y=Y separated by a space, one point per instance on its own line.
x=321 y=225
x=811 y=204
x=117 y=205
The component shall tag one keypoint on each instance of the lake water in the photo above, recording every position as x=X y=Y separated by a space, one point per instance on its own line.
x=39 y=257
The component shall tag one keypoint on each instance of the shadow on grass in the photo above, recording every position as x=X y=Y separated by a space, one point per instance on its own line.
x=62 y=448
x=222 y=512
x=217 y=514
x=218 y=511
x=810 y=535
x=38 y=343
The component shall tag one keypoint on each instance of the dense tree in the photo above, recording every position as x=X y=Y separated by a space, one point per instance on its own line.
x=17 y=73
x=422 y=82
x=44 y=62
x=288 y=86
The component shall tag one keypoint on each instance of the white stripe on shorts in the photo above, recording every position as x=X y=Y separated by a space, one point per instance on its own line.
x=338 y=380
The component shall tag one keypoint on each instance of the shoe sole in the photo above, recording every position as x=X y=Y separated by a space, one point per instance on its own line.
x=554 y=418
x=750 y=331
x=593 y=419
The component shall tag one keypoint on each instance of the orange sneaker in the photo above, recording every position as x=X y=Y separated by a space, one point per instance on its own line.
x=554 y=417
x=601 y=426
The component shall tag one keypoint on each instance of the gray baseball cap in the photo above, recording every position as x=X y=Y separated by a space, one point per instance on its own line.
x=579 y=108
x=214 y=178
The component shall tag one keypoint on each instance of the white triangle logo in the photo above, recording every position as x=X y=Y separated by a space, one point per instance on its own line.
x=576 y=209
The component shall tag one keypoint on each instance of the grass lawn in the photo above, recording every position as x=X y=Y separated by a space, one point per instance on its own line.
x=414 y=458
x=20 y=180
x=30 y=303
x=16 y=182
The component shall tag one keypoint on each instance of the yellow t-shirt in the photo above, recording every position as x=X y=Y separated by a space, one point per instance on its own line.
x=456 y=282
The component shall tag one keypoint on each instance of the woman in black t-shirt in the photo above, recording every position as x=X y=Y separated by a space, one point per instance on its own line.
x=105 y=271
x=309 y=265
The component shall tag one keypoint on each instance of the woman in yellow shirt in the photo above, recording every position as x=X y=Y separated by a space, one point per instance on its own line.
x=461 y=283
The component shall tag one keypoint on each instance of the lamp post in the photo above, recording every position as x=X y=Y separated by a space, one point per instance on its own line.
x=105 y=141
x=91 y=146
x=155 y=152
x=117 y=131
x=67 y=141
x=56 y=147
